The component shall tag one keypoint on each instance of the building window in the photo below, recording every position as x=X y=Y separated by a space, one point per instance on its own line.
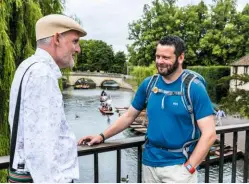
x=235 y=70
x=245 y=69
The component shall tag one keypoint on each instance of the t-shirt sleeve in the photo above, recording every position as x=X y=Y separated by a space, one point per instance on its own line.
x=201 y=102
x=140 y=97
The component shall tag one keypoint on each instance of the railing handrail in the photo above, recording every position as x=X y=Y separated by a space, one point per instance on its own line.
x=232 y=128
x=4 y=162
x=110 y=145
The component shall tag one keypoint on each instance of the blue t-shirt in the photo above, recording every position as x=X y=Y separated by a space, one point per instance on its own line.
x=170 y=126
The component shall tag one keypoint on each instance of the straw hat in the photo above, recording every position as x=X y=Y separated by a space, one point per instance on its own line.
x=51 y=24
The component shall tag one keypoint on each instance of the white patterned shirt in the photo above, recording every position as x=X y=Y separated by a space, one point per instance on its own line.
x=44 y=139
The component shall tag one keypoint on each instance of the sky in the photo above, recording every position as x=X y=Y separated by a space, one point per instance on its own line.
x=108 y=20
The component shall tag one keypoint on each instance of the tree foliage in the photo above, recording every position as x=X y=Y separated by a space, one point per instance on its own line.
x=96 y=55
x=212 y=74
x=215 y=35
x=236 y=101
x=141 y=72
x=17 y=42
x=119 y=63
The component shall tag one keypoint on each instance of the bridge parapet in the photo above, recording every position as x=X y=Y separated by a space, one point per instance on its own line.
x=116 y=75
x=98 y=78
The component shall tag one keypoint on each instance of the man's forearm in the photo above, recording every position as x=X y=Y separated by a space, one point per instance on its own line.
x=201 y=149
x=122 y=123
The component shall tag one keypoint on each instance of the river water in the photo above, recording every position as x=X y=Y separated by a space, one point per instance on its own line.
x=81 y=108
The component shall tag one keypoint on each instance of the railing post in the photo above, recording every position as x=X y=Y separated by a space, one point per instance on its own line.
x=234 y=159
x=118 y=166
x=222 y=143
x=96 y=168
x=245 y=177
x=139 y=164
x=207 y=168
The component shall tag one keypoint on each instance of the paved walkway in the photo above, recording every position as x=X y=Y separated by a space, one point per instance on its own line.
x=229 y=136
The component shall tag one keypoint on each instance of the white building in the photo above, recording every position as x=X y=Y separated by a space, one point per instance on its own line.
x=239 y=67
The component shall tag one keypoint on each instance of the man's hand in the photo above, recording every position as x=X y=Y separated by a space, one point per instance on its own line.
x=122 y=123
x=90 y=140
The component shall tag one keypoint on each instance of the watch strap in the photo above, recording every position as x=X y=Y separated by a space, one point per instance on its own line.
x=190 y=168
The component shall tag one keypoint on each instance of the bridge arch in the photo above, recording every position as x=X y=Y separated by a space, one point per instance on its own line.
x=109 y=84
x=87 y=81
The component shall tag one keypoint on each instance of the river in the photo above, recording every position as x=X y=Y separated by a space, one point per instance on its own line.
x=81 y=108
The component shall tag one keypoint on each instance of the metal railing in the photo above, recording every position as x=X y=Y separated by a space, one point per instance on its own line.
x=137 y=142
x=235 y=129
x=117 y=145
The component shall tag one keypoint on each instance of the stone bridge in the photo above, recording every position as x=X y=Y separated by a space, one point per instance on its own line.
x=98 y=78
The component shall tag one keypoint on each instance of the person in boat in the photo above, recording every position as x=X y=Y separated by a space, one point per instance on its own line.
x=176 y=141
x=103 y=93
x=103 y=106
x=107 y=104
x=103 y=96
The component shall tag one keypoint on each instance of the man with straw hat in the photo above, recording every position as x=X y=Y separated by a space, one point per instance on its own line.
x=45 y=146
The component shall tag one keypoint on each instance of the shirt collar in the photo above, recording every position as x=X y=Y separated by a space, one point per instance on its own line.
x=49 y=61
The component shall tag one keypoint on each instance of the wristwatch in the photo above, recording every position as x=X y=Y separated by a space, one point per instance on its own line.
x=190 y=168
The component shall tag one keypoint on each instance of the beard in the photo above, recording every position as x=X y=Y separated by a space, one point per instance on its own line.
x=66 y=61
x=165 y=69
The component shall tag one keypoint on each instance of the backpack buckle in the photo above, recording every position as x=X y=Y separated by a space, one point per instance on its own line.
x=155 y=90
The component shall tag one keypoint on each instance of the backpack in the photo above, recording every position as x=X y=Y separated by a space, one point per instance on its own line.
x=187 y=78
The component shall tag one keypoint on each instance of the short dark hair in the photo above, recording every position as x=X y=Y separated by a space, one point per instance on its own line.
x=175 y=41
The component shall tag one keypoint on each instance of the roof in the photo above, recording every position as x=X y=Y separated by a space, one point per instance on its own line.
x=244 y=61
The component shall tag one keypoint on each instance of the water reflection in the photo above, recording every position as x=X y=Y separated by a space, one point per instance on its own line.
x=227 y=173
x=81 y=107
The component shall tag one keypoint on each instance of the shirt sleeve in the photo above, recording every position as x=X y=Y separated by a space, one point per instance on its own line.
x=42 y=119
x=201 y=102
x=140 y=97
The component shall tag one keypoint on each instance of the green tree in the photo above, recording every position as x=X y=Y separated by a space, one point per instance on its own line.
x=95 y=55
x=163 y=18
x=213 y=37
x=243 y=25
x=192 y=26
x=237 y=100
x=81 y=61
x=222 y=43
x=158 y=20
x=7 y=68
x=141 y=72
x=52 y=6
x=119 y=63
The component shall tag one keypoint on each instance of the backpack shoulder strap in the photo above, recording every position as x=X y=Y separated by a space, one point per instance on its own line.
x=186 y=82
x=187 y=78
x=151 y=84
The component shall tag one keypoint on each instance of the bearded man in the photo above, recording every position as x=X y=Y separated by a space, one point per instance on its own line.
x=170 y=128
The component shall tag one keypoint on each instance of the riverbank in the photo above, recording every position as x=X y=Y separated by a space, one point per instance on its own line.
x=132 y=83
